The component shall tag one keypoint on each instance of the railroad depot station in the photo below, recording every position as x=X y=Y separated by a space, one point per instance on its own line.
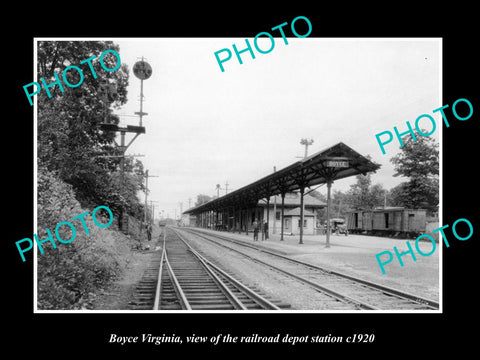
x=340 y=276
x=281 y=199
x=208 y=260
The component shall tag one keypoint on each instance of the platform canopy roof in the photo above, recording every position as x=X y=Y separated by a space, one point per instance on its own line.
x=336 y=162
x=293 y=199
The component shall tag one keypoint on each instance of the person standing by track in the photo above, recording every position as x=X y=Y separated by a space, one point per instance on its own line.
x=255 y=230
x=265 y=229
x=149 y=232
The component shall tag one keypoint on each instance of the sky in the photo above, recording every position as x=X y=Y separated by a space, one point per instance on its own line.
x=205 y=127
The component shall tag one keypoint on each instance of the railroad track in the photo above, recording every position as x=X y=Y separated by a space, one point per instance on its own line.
x=189 y=281
x=359 y=293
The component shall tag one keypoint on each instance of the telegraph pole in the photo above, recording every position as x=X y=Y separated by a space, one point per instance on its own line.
x=218 y=188
x=152 y=219
x=181 y=213
x=329 y=204
x=274 y=231
x=307 y=143
x=142 y=70
x=146 y=193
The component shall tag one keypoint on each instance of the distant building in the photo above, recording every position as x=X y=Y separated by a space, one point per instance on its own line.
x=167 y=221
x=292 y=213
x=237 y=210
x=188 y=220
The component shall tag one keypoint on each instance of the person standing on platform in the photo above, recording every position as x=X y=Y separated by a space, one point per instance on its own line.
x=265 y=229
x=255 y=230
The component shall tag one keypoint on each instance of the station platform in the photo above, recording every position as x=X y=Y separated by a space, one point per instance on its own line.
x=289 y=246
x=314 y=243
x=355 y=255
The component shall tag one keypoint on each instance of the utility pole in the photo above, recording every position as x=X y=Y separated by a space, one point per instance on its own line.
x=181 y=210
x=307 y=143
x=218 y=188
x=329 y=205
x=152 y=219
x=339 y=206
x=142 y=70
x=146 y=192
x=274 y=230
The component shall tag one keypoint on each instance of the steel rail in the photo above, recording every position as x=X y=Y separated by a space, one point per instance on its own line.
x=334 y=294
x=388 y=290
x=183 y=299
x=156 y=302
x=178 y=289
x=237 y=304
x=210 y=266
x=158 y=294
x=263 y=302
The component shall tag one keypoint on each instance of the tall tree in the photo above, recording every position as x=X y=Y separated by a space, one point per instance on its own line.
x=359 y=193
x=419 y=161
x=70 y=142
x=364 y=195
x=396 y=195
x=378 y=195
x=202 y=199
x=339 y=203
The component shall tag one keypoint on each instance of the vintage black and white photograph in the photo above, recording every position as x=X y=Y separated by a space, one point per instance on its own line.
x=269 y=174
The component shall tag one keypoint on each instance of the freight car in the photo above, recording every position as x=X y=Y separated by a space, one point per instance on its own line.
x=389 y=221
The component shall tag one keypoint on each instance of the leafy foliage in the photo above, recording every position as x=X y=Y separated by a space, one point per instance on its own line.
x=364 y=195
x=419 y=161
x=202 y=199
x=79 y=168
x=70 y=141
x=69 y=273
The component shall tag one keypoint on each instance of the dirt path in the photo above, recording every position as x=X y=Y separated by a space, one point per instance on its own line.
x=119 y=294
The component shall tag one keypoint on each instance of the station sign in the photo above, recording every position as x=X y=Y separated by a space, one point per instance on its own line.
x=337 y=163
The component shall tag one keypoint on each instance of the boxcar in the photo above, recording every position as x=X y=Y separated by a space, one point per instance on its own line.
x=393 y=221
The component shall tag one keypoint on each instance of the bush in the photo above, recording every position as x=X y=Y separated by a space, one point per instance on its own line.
x=69 y=274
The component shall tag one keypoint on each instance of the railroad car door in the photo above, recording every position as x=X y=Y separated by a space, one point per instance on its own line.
x=411 y=218
x=368 y=221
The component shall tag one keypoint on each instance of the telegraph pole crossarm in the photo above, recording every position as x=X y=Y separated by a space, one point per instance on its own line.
x=146 y=193
x=143 y=71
